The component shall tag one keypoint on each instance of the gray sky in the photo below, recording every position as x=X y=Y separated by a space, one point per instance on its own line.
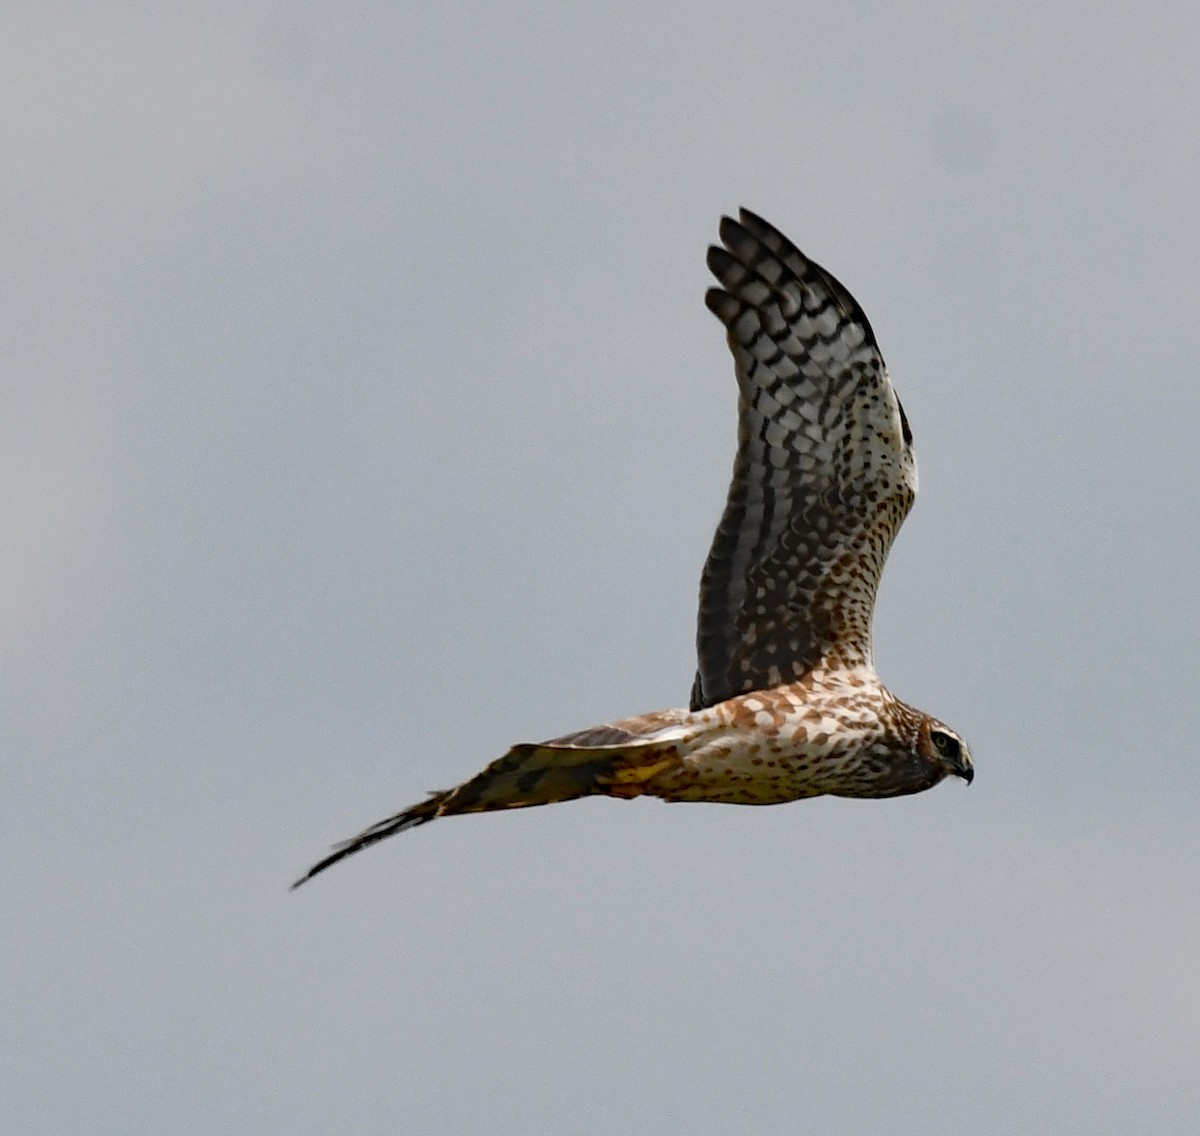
x=362 y=416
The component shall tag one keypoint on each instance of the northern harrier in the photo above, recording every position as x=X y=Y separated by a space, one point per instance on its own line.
x=786 y=703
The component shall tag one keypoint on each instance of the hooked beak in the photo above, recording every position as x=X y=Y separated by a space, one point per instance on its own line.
x=963 y=767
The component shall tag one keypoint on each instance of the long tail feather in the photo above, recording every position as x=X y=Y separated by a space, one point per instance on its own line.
x=526 y=776
x=381 y=830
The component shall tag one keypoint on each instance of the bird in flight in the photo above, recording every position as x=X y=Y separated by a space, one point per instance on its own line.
x=786 y=703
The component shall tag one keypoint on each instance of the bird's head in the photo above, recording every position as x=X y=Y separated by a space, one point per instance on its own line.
x=914 y=753
x=943 y=751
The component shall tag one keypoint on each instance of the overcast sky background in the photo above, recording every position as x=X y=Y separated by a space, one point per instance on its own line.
x=362 y=416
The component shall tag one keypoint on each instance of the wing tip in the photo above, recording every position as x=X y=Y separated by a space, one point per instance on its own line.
x=720 y=260
x=752 y=229
x=722 y=305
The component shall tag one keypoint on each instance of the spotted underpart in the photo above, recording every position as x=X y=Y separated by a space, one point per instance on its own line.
x=786 y=703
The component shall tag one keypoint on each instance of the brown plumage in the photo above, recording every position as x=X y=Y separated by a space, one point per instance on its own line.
x=786 y=703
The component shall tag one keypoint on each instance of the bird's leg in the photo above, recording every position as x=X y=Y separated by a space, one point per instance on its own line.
x=630 y=781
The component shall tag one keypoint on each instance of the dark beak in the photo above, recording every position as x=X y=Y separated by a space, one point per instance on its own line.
x=963 y=767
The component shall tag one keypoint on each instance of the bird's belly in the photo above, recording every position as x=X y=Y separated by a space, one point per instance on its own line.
x=748 y=769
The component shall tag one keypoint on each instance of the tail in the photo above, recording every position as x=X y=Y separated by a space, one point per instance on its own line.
x=527 y=775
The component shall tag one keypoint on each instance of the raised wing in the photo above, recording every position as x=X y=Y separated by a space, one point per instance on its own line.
x=823 y=479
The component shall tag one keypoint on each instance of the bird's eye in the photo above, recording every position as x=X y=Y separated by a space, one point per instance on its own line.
x=946 y=745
